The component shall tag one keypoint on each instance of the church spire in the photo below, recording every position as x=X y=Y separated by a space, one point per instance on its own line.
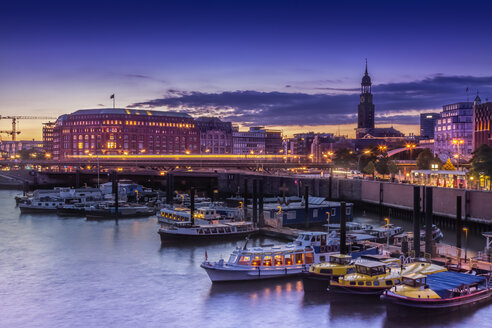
x=366 y=67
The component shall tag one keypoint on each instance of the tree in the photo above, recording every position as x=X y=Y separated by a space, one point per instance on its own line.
x=382 y=166
x=393 y=168
x=448 y=166
x=345 y=158
x=425 y=159
x=369 y=168
x=481 y=162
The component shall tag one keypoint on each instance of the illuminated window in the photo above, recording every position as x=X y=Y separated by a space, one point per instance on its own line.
x=244 y=260
x=111 y=144
x=81 y=145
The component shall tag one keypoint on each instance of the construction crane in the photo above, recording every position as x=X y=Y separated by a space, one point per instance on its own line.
x=14 y=119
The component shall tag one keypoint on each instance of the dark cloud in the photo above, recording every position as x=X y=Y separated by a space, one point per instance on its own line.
x=393 y=102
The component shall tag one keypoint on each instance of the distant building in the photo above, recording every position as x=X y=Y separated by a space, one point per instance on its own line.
x=248 y=142
x=454 y=123
x=482 y=121
x=365 y=116
x=427 y=124
x=257 y=140
x=48 y=129
x=215 y=135
x=301 y=143
x=119 y=131
x=11 y=148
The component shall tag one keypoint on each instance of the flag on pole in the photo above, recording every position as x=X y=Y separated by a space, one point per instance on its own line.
x=112 y=96
x=206 y=255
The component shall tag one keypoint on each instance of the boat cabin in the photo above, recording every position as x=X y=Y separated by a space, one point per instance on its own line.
x=281 y=258
x=341 y=259
x=370 y=268
x=415 y=280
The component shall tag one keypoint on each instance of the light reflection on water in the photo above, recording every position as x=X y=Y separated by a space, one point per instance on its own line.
x=71 y=273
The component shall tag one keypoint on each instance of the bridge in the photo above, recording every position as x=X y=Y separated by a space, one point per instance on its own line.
x=400 y=150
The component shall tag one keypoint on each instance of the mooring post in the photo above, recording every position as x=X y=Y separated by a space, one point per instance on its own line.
x=245 y=200
x=255 y=202
x=459 y=223
x=428 y=220
x=169 y=188
x=260 y=205
x=116 y=197
x=416 y=220
x=306 y=206
x=343 y=229
x=330 y=186
x=192 y=206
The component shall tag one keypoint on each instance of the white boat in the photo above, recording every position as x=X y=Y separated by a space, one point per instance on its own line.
x=50 y=200
x=208 y=231
x=274 y=261
x=182 y=217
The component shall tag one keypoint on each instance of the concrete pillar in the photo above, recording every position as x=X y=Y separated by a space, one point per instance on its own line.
x=343 y=229
x=416 y=220
x=428 y=220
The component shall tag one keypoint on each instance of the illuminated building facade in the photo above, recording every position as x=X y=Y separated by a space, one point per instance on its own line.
x=215 y=135
x=48 y=130
x=454 y=123
x=120 y=131
x=482 y=121
x=427 y=124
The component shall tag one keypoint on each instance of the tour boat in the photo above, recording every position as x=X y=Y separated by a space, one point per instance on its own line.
x=446 y=290
x=207 y=231
x=373 y=278
x=274 y=261
x=182 y=217
x=45 y=201
x=318 y=277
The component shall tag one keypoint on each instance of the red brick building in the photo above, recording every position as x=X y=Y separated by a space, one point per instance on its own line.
x=121 y=131
x=482 y=121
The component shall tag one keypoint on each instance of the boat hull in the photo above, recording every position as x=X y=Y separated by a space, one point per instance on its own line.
x=317 y=283
x=356 y=290
x=221 y=274
x=37 y=210
x=438 y=304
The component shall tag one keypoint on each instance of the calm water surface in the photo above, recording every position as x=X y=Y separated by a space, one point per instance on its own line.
x=71 y=273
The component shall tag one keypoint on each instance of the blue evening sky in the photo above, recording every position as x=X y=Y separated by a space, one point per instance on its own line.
x=286 y=64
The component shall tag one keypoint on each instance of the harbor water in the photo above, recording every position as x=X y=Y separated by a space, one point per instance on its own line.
x=59 y=272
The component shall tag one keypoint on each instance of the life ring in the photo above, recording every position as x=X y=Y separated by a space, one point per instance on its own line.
x=322 y=249
x=328 y=248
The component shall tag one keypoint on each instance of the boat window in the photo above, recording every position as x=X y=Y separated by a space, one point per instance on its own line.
x=279 y=260
x=313 y=238
x=389 y=282
x=350 y=270
x=360 y=283
x=256 y=261
x=376 y=283
x=333 y=211
x=397 y=281
x=352 y=283
x=309 y=258
x=289 y=259
x=345 y=260
x=327 y=271
x=232 y=259
x=244 y=260
x=368 y=283
x=299 y=258
x=322 y=258
x=267 y=261
x=306 y=238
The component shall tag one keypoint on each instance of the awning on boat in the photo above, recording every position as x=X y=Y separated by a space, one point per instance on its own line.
x=443 y=283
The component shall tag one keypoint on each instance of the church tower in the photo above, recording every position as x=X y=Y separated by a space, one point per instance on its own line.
x=365 y=114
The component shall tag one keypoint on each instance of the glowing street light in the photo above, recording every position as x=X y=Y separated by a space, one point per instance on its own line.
x=458 y=142
x=187 y=152
x=387 y=232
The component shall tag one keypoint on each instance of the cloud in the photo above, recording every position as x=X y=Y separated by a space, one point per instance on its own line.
x=395 y=102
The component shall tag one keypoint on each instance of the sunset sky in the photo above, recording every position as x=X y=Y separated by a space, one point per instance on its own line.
x=294 y=65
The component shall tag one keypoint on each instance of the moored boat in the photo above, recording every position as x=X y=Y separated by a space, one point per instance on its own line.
x=373 y=278
x=446 y=290
x=208 y=231
x=273 y=261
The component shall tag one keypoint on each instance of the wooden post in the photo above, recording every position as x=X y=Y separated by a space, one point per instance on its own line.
x=260 y=205
x=428 y=220
x=416 y=220
x=245 y=201
x=255 y=202
x=459 y=224
x=306 y=206
x=192 y=206
x=343 y=229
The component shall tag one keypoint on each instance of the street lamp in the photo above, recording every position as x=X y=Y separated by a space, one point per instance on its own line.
x=365 y=152
x=328 y=221
x=458 y=142
x=410 y=147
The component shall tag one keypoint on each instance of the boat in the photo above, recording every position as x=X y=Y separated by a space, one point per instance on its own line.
x=207 y=231
x=104 y=211
x=318 y=277
x=182 y=217
x=276 y=261
x=383 y=233
x=437 y=236
x=48 y=201
x=446 y=291
x=373 y=278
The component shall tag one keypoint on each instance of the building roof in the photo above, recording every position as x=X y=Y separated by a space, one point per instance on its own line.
x=128 y=111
